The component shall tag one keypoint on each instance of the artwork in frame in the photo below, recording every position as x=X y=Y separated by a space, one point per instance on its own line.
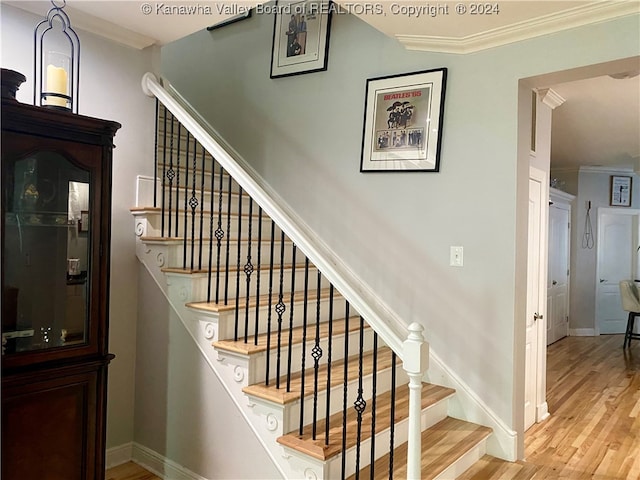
x=403 y=122
x=300 y=37
x=83 y=223
x=620 y=191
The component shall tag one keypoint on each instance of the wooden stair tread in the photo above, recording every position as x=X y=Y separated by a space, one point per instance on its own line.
x=496 y=468
x=296 y=338
x=262 y=301
x=442 y=445
x=304 y=443
x=282 y=397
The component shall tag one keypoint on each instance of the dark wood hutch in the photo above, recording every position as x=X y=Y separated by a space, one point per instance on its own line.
x=56 y=219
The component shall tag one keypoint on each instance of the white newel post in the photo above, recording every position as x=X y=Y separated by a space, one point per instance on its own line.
x=416 y=359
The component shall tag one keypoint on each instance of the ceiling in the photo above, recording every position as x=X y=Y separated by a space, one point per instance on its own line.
x=598 y=124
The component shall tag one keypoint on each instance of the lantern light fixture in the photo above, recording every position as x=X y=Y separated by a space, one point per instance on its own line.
x=56 y=62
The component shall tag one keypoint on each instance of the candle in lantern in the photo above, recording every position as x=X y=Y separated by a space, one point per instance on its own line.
x=57 y=79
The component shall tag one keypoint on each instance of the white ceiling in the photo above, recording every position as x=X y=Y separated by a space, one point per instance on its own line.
x=598 y=124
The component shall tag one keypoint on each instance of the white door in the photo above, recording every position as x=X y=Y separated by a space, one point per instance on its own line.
x=616 y=255
x=536 y=266
x=558 y=272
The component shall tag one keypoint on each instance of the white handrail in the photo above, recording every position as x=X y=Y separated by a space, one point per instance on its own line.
x=391 y=329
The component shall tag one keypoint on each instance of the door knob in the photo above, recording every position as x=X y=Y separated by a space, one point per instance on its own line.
x=602 y=280
x=554 y=283
x=537 y=316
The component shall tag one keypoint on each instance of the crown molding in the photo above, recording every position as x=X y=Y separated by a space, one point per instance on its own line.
x=550 y=98
x=544 y=25
x=555 y=194
x=607 y=170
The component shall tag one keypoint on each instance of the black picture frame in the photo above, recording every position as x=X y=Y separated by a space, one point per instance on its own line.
x=620 y=191
x=402 y=128
x=301 y=33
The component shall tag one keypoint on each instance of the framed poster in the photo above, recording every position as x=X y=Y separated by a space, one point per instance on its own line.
x=620 y=191
x=300 y=37
x=83 y=223
x=403 y=122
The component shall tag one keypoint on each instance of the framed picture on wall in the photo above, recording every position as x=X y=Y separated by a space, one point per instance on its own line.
x=403 y=122
x=300 y=37
x=620 y=191
x=83 y=223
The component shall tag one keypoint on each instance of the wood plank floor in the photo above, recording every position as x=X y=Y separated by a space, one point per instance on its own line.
x=129 y=471
x=593 y=392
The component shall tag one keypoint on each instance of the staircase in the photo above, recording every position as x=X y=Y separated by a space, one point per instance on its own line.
x=315 y=379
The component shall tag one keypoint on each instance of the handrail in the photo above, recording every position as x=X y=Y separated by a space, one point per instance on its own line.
x=391 y=329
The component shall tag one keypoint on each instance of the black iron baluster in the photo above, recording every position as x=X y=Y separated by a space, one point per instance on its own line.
x=273 y=226
x=345 y=385
x=171 y=174
x=238 y=251
x=392 y=429
x=258 y=274
x=316 y=354
x=248 y=270
x=211 y=213
x=201 y=208
x=178 y=178
x=280 y=309
x=374 y=387
x=219 y=236
x=164 y=169
x=360 y=404
x=193 y=201
x=155 y=156
x=226 y=261
x=293 y=293
x=186 y=187
x=329 y=353
x=304 y=339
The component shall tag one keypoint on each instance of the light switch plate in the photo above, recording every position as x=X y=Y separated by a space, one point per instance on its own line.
x=456 y=257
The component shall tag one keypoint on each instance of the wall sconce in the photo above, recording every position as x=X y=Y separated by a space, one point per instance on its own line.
x=56 y=73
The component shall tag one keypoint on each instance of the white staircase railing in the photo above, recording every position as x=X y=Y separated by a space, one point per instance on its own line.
x=405 y=340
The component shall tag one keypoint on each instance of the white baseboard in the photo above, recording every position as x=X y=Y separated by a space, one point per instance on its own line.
x=160 y=465
x=582 y=332
x=118 y=455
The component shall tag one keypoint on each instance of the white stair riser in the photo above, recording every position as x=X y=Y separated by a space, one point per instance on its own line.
x=226 y=320
x=200 y=284
x=233 y=230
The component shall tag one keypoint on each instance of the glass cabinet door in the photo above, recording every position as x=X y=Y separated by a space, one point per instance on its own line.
x=45 y=257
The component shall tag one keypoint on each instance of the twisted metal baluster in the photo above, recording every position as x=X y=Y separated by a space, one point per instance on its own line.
x=360 y=404
x=171 y=174
x=248 y=270
x=193 y=201
x=280 y=309
x=211 y=213
x=164 y=169
x=226 y=263
x=219 y=233
x=155 y=156
x=316 y=354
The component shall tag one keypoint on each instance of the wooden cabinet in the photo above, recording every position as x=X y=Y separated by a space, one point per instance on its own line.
x=56 y=211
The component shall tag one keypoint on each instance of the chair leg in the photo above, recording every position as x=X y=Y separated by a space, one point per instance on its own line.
x=627 y=335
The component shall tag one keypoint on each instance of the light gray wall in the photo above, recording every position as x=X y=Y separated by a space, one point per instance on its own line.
x=303 y=135
x=182 y=410
x=594 y=187
x=109 y=88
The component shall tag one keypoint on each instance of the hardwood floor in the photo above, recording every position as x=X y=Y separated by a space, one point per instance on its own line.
x=129 y=471
x=593 y=393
